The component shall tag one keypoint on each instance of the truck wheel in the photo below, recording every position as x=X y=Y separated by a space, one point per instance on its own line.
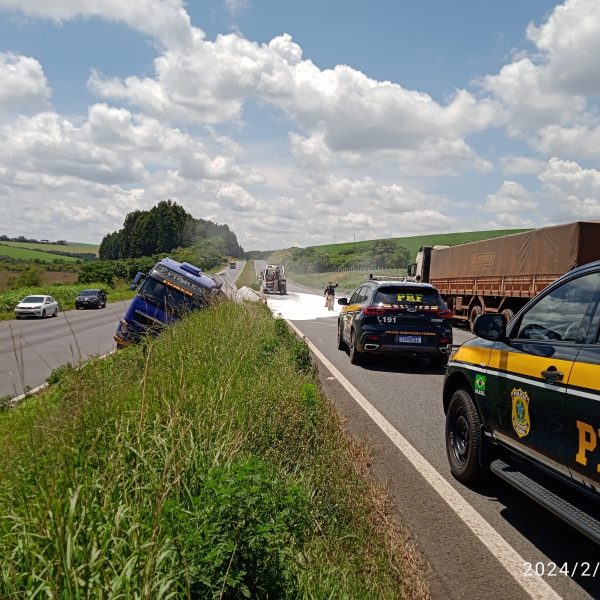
x=508 y=314
x=341 y=344
x=284 y=291
x=355 y=356
x=464 y=438
x=475 y=312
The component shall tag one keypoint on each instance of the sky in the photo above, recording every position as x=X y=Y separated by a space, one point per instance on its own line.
x=299 y=123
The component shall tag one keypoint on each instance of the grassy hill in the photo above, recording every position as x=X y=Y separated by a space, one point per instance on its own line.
x=413 y=243
x=73 y=248
x=26 y=252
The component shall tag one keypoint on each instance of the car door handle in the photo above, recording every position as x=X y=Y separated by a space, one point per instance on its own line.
x=552 y=375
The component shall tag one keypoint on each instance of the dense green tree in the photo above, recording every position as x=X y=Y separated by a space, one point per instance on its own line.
x=161 y=230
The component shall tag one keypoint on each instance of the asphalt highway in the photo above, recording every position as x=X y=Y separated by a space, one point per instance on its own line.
x=408 y=393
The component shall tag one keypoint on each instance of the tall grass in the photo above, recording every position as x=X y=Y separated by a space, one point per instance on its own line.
x=204 y=464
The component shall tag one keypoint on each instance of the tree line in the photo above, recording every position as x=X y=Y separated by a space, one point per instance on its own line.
x=377 y=254
x=164 y=228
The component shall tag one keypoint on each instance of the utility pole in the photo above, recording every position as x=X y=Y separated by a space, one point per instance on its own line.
x=334 y=239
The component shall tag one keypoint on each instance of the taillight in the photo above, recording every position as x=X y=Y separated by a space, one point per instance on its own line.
x=371 y=310
x=445 y=314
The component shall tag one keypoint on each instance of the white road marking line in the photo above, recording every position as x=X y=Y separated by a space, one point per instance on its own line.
x=14 y=401
x=508 y=557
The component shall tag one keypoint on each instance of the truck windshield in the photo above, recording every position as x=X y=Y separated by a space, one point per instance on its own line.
x=168 y=298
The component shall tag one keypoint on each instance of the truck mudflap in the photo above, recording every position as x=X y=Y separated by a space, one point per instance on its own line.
x=580 y=513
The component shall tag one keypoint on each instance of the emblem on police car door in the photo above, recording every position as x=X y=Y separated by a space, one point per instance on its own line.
x=520 y=412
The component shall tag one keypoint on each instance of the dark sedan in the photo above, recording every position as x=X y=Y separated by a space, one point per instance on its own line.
x=90 y=299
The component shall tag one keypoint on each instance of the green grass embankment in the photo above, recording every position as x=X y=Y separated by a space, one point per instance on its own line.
x=205 y=464
x=64 y=294
x=248 y=277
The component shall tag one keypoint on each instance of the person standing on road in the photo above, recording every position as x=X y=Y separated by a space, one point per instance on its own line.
x=330 y=295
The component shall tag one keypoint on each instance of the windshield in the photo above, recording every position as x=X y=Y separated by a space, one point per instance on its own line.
x=407 y=295
x=30 y=299
x=89 y=293
x=168 y=298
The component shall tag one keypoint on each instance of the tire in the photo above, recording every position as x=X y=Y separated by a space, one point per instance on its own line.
x=464 y=438
x=44 y=314
x=55 y=313
x=508 y=314
x=475 y=312
x=341 y=344
x=284 y=291
x=356 y=357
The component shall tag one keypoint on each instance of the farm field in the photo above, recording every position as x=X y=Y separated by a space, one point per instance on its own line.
x=25 y=253
x=74 y=248
x=413 y=243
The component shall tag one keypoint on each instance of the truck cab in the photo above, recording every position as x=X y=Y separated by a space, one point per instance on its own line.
x=168 y=292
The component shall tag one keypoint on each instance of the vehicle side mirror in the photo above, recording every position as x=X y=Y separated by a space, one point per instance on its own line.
x=138 y=277
x=343 y=301
x=490 y=327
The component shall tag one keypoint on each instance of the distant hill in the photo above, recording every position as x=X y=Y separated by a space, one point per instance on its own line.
x=24 y=251
x=71 y=248
x=413 y=243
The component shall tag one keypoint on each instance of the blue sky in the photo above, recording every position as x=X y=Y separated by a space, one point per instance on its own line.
x=294 y=122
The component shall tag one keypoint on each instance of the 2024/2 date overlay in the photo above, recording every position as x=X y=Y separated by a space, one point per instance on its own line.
x=551 y=569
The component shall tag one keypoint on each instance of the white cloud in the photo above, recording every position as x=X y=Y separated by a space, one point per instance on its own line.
x=522 y=165
x=24 y=87
x=571 y=41
x=511 y=198
x=552 y=86
x=346 y=111
x=578 y=141
x=164 y=20
x=572 y=192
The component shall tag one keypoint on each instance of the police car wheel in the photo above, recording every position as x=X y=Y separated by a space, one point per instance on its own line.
x=464 y=438
x=355 y=355
x=341 y=344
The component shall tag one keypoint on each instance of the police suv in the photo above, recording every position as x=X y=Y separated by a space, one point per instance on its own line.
x=523 y=400
x=393 y=316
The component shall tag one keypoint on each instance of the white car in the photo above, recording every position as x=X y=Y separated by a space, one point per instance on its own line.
x=37 y=306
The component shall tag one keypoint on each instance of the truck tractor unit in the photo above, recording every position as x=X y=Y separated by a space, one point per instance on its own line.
x=501 y=275
x=167 y=292
x=273 y=280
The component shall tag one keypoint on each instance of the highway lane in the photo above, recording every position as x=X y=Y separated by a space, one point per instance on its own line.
x=409 y=395
x=31 y=348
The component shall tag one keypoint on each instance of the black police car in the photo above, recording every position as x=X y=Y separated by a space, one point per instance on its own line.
x=392 y=316
x=90 y=299
x=523 y=400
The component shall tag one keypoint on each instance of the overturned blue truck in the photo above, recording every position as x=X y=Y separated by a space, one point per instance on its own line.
x=167 y=292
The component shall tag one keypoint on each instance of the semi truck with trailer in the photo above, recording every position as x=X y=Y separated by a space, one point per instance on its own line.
x=170 y=290
x=500 y=275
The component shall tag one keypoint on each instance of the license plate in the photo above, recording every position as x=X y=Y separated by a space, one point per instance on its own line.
x=408 y=339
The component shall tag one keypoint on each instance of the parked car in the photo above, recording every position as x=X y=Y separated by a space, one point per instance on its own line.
x=90 y=299
x=37 y=306
x=522 y=400
x=388 y=316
